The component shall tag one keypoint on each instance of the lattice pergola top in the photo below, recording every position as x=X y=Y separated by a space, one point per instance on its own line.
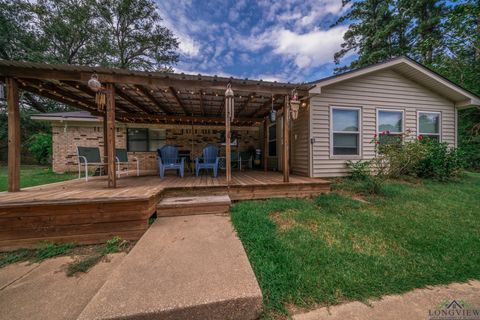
x=148 y=97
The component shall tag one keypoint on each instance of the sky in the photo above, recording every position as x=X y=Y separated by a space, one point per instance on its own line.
x=287 y=41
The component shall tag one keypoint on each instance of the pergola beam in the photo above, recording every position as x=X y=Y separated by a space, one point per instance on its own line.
x=184 y=119
x=263 y=106
x=152 y=99
x=59 y=99
x=83 y=88
x=250 y=98
x=56 y=90
x=148 y=79
x=178 y=100
x=122 y=94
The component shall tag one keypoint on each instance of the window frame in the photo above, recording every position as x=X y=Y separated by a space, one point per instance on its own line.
x=377 y=120
x=359 y=132
x=147 y=138
x=439 y=134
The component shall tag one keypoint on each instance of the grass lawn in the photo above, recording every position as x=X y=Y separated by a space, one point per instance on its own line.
x=333 y=248
x=34 y=176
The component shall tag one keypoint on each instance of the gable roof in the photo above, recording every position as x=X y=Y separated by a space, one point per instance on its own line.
x=414 y=71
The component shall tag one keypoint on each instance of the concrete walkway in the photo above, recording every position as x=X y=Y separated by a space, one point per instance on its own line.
x=414 y=305
x=191 y=267
x=43 y=291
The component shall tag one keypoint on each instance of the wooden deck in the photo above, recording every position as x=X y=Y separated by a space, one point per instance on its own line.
x=89 y=212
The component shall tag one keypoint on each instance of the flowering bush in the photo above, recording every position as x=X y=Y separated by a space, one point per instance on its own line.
x=421 y=157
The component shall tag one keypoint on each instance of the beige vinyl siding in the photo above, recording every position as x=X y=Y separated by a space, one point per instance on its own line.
x=300 y=143
x=384 y=89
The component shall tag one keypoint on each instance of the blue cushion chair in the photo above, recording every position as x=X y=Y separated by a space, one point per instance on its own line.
x=169 y=160
x=209 y=160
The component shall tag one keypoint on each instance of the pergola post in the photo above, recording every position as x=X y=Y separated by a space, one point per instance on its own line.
x=265 y=144
x=13 y=135
x=285 y=155
x=105 y=134
x=110 y=124
x=229 y=109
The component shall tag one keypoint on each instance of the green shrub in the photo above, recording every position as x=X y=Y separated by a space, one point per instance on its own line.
x=359 y=170
x=401 y=159
x=363 y=171
x=440 y=162
x=40 y=145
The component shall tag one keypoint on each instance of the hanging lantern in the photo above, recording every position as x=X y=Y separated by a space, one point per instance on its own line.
x=94 y=84
x=273 y=113
x=229 y=103
x=294 y=105
x=100 y=96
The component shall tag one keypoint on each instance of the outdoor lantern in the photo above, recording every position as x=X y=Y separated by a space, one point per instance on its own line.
x=294 y=105
x=273 y=113
x=94 y=84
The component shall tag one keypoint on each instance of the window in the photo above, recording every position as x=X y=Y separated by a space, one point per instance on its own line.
x=156 y=138
x=143 y=139
x=390 y=122
x=345 y=131
x=429 y=124
x=272 y=140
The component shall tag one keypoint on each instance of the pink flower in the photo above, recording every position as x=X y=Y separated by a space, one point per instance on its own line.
x=420 y=137
x=388 y=131
x=383 y=132
x=377 y=142
x=375 y=135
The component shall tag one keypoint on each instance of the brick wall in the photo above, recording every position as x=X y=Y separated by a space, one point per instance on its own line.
x=67 y=136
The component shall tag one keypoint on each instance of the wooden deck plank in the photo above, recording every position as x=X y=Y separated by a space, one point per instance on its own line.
x=82 y=211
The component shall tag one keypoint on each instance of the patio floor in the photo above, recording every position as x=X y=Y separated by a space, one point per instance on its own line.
x=89 y=212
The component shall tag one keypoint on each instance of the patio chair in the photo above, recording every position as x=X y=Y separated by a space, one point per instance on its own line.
x=169 y=160
x=245 y=160
x=89 y=156
x=209 y=160
x=121 y=156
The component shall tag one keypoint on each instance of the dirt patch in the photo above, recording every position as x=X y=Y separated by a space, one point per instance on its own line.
x=282 y=222
x=286 y=220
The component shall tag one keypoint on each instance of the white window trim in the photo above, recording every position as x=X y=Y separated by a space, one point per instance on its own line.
x=391 y=110
x=439 y=134
x=359 y=132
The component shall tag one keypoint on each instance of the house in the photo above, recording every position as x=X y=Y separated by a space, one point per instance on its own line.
x=337 y=123
x=141 y=111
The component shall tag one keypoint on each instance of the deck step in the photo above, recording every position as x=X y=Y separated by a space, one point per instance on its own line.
x=186 y=206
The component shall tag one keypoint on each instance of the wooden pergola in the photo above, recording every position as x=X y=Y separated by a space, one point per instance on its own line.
x=144 y=97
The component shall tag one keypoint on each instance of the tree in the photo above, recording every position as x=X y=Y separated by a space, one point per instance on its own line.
x=376 y=33
x=136 y=38
x=427 y=21
x=71 y=32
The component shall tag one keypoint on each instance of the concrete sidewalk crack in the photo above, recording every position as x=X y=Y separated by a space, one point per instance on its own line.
x=19 y=278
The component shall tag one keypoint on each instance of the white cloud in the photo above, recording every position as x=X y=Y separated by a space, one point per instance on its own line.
x=309 y=49
x=188 y=46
